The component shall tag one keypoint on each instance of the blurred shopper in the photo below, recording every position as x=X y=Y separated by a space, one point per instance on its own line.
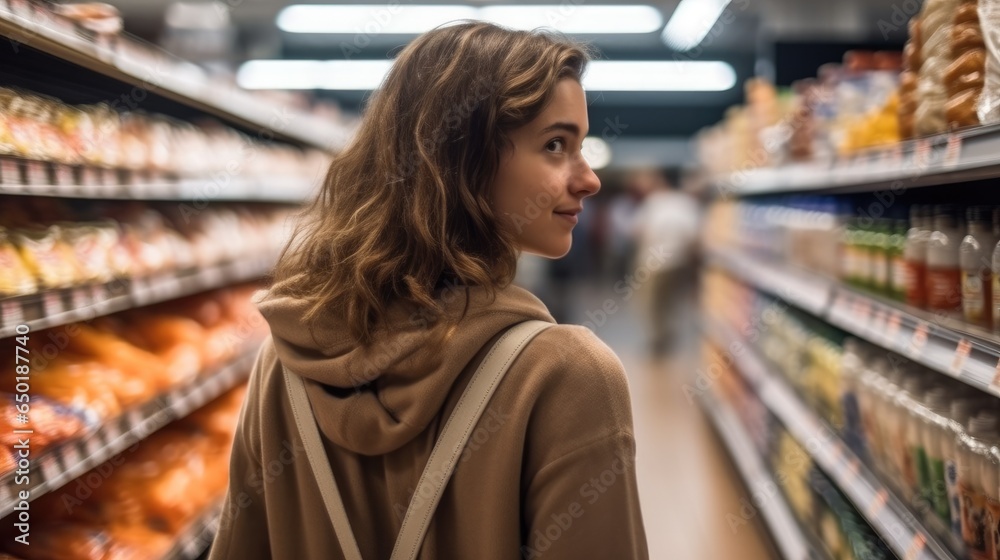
x=394 y=289
x=621 y=240
x=666 y=231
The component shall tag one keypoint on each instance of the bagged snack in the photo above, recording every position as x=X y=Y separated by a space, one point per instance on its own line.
x=16 y=277
x=988 y=106
x=964 y=77
x=936 y=19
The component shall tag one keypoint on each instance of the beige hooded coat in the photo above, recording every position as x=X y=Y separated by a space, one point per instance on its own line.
x=548 y=473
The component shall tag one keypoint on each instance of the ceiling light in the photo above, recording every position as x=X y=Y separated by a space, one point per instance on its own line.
x=601 y=75
x=359 y=75
x=370 y=19
x=659 y=75
x=377 y=19
x=575 y=19
x=691 y=22
x=597 y=152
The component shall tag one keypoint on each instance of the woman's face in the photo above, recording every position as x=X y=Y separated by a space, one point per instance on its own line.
x=543 y=180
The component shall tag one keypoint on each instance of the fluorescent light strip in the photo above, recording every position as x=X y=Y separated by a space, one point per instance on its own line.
x=659 y=75
x=691 y=22
x=363 y=75
x=376 y=19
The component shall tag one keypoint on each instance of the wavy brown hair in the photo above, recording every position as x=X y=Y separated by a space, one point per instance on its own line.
x=408 y=204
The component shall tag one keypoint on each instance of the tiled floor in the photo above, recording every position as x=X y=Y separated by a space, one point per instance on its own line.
x=686 y=481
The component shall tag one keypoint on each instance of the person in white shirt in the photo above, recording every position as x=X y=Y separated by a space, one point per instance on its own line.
x=666 y=230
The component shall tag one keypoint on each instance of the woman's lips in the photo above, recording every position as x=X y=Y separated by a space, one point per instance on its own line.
x=568 y=216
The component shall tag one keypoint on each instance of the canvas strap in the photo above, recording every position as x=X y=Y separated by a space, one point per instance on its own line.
x=443 y=457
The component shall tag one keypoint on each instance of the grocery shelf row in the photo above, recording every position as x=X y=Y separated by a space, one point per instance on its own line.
x=962 y=155
x=939 y=342
x=53 y=308
x=37 y=178
x=898 y=527
x=136 y=64
x=198 y=537
x=788 y=536
x=56 y=467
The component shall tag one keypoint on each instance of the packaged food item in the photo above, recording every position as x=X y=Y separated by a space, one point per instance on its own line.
x=988 y=107
x=915 y=255
x=912 y=61
x=47 y=255
x=905 y=426
x=961 y=411
x=975 y=260
x=978 y=484
x=16 y=277
x=965 y=76
x=931 y=430
x=944 y=282
x=936 y=17
x=896 y=248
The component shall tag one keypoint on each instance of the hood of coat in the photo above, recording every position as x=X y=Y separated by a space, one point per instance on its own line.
x=374 y=399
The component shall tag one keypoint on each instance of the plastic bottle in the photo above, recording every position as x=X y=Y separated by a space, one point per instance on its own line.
x=934 y=432
x=888 y=387
x=852 y=368
x=960 y=412
x=975 y=463
x=906 y=403
x=975 y=259
x=944 y=279
x=878 y=252
x=915 y=255
x=897 y=262
x=995 y=277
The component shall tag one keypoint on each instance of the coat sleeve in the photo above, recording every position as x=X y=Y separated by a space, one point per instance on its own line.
x=581 y=499
x=243 y=532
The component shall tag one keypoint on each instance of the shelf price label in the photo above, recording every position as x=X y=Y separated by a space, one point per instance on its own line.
x=71 y=456
x=962 y=352
x=861 y=309
x=953 y=150
x=877 y=327
x=11 y=312
x=878 y=503
x=916 y=546
x=52 y=303
x=919 y=339
x=922 y=154
x=892 y=326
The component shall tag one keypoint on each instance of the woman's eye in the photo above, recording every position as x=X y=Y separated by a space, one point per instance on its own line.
x=556 y=145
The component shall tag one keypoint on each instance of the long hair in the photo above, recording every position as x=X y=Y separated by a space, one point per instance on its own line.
x=408 y=203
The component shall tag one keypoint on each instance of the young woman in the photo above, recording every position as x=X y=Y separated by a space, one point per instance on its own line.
x=395 y=285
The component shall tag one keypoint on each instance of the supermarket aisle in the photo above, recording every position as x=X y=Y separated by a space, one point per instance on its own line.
x=687 y=482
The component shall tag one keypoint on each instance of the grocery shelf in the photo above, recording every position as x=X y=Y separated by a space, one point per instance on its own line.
x=58 y=180
x=900 y=528
x=198 y=537
x=59 y=307
x=789 y=537
x=967 y=154
x=129 y=61
x=65 y=463
x=940 y=342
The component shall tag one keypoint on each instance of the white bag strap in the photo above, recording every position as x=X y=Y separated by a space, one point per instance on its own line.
x=443 y=457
